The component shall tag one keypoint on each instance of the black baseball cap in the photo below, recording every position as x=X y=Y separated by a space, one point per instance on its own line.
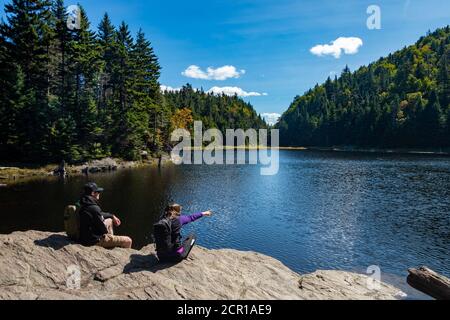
x=92 y=187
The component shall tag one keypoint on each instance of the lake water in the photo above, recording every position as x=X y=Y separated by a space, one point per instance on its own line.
x=323 y=210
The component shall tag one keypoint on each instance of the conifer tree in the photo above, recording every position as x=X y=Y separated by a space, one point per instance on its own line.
x=27 y=31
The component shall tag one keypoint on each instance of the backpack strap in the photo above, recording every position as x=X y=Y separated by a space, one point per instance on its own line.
x=168 y=224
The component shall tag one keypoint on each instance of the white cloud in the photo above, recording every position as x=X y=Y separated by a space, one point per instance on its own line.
x=222 y=73
x=169 y=88
x=231 y=91
x=271 y=118
x=349 y=45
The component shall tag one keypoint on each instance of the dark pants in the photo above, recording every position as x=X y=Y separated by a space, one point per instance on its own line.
x=187 y=245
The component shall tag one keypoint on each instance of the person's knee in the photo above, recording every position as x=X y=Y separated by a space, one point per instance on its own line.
x=109 y=225
x=128 y=243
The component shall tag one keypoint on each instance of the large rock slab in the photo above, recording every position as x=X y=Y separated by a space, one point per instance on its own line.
x=40 y=265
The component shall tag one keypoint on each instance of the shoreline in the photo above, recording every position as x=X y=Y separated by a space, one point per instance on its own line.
x=410 y=151
x=418 y=151
x=15 y=173
x=11 y=173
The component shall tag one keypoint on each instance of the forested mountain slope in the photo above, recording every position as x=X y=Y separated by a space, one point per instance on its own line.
x=398 y=101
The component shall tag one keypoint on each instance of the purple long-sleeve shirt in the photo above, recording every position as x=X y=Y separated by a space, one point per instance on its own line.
x=184 y=220
x=190 y=218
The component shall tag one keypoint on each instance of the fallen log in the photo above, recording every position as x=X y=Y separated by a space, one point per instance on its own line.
x=429 y=282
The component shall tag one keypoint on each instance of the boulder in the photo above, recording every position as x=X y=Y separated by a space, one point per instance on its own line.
x=40 y=265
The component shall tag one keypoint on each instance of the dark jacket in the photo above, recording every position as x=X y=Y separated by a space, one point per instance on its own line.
x=176 y=234
x=167 y=236
x=92 y=226
x=170 y=244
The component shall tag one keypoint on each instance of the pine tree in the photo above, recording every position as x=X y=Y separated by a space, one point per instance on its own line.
x=6 y=83
x=86 y=59
x=146 y=67
x=61 y=125
x=11 y=101
x=59 y=53
x=126 y=131
x=108 y=46
x=28 y=34
x=145 y=91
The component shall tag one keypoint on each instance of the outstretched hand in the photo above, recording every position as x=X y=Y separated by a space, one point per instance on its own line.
x=207 y=213
x=116 y=221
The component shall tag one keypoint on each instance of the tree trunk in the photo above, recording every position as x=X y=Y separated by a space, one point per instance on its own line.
x=429 y=282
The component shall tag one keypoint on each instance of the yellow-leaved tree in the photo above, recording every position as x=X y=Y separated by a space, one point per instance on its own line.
x=182 y=119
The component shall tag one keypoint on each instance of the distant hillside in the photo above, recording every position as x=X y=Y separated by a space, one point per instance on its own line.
x=399 y=101
x=216 y=111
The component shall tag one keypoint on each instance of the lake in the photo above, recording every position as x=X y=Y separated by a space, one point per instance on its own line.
x=323 y=210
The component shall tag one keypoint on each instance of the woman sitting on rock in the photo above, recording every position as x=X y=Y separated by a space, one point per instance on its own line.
x=167 y=233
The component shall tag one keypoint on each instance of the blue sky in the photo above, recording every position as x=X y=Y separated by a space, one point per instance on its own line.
x=269 y=39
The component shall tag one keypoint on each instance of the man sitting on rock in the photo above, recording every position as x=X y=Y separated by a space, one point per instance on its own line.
x=96 y=227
